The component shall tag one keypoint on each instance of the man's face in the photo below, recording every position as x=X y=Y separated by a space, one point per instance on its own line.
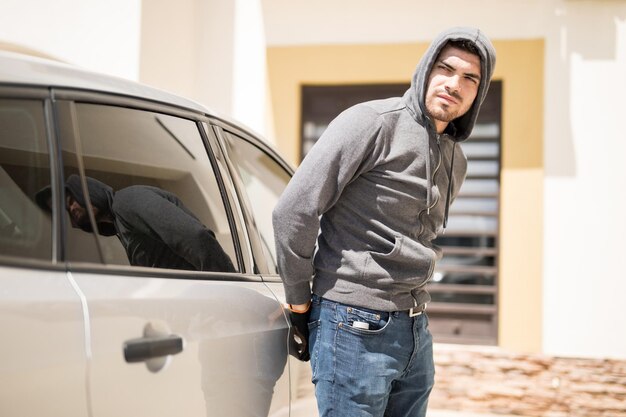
x=452 y=84
x=78 y=214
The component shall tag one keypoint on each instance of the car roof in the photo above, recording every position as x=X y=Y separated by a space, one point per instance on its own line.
x=26 y=70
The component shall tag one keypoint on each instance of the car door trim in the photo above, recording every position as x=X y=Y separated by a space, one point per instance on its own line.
x=142 y=271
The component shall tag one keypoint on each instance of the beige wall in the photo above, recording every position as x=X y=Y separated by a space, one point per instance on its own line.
x=210 y=51
x=291 y=67
x=187 y=48
x=520 y=67
x=100 y=36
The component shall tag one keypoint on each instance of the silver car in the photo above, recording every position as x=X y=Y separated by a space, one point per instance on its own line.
x=137 y=265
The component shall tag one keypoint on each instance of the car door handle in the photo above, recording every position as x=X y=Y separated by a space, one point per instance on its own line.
x=145 y=348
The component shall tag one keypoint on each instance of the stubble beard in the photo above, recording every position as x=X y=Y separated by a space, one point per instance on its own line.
x=79 y=220
x=441 y=114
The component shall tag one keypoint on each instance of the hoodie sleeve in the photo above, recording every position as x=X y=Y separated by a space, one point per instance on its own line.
x=348 y=147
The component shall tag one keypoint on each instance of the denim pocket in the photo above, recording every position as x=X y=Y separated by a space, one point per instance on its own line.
x=314 y=339
x=363 y=321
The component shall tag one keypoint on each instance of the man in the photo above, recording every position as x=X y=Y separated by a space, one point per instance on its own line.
x=377 y=187
x=152 y=224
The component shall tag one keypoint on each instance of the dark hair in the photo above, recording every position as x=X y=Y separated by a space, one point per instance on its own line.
x=465 y=45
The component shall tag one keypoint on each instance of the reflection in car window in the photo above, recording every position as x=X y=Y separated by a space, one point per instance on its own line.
x=25 y=230
x=264 y=181
x=154 y=195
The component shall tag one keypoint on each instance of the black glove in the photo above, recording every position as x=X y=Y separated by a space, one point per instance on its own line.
x=299 y=335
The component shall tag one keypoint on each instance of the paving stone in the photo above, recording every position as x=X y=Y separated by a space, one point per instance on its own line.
x=477 y=379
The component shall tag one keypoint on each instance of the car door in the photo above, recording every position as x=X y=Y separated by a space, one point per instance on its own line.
x=260 y=177
x=172 y=330
x=42 y=352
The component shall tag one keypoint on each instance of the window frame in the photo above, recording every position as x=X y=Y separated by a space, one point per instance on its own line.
x=256 y=241
x=43 y=95
x=74 y=96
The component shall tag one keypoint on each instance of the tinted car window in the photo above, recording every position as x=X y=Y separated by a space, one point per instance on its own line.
x=25 y=229
x=153 y=192
x=264 y=180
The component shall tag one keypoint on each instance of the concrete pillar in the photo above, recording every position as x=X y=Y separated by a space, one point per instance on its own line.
x=212 y=51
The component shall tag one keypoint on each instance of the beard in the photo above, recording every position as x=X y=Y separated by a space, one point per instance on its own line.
x=440 y=111
x=80 y=221
x=441 y=114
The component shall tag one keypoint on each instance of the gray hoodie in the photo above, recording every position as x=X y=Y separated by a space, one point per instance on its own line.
x=376 y=187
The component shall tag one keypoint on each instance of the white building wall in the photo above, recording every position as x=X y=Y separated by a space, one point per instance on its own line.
x=98 y=35
x=584 y=142
x=585 y=280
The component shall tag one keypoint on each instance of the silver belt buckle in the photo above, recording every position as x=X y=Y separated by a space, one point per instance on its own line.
x=416 y=313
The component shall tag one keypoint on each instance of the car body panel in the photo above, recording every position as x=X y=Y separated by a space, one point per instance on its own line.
x=23 y=70
x=42 y=354
x=226 y=351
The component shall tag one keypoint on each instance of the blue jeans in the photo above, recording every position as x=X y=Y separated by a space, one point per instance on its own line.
x=384 y=371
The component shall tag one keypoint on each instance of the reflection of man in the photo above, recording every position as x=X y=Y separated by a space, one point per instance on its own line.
x=379 y=184
x=154 y=226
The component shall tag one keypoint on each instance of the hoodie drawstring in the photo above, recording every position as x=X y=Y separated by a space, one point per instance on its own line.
x=429 y=179
x=449 y=194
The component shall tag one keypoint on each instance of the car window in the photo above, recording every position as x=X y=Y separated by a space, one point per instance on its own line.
x=153 y=192
x=264 y=180
x=25 y=229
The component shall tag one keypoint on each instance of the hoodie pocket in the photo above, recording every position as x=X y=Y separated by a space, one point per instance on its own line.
x=409 y=262
x=395 y=251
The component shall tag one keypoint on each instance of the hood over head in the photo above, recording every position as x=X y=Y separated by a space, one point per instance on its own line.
x=459 y=129
x=101 y=197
